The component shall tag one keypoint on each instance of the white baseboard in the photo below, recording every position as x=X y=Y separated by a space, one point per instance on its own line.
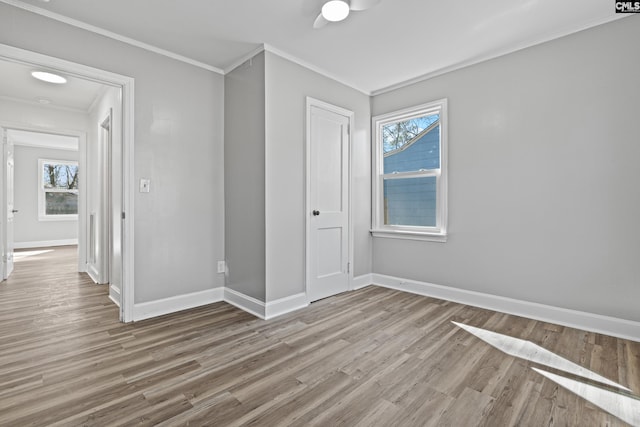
x=360 y=282
x=45 y=243
x=163 y=306
x=93 y=273
x=245 y=302
x=285 y=305
x=267 y=310
x=613 y=326
x=114 y=294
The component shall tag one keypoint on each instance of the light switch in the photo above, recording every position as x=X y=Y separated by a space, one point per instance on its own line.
x=145 y=185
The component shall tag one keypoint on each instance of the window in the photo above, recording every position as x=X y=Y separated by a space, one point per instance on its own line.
x=410 y=180
x=58 y=189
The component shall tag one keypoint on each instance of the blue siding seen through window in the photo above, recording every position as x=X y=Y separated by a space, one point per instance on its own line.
x=412 y=201
x=422 y=153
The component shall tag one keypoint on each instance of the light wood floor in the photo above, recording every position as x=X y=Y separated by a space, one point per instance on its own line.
x=366 y=358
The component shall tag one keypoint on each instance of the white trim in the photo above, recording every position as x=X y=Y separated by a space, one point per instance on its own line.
x=622 y=328
x=101 y=31
x=45 y=243
x=127 y=300
x=410 y=235
x=237 y=299
x=126 y=84
x=169 y=305
x=311 y=67
x=93 y=273
x=285 y=305
x=245 y=302
x=46 y=145
x=115 y=294
x=362 y=281
x=244 y=58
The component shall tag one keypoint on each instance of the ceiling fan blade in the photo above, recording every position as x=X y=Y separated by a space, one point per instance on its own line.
x=320 y=22
x=362 y=4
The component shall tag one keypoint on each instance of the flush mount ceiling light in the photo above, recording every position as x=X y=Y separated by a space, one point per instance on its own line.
x=337 y=10
x=49 y=77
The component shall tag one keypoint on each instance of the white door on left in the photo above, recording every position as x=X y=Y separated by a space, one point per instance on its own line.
x=7 y=256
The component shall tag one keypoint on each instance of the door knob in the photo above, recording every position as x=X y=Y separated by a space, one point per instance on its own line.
x=316 y=213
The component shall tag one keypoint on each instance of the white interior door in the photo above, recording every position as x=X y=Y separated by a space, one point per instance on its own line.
x=7 y=256
x=327 y=200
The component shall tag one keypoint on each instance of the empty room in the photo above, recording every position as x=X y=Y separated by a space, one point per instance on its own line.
x=320 y=212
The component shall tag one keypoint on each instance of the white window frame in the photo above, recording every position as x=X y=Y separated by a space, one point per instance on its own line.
x=42 y=211
x=379 y=228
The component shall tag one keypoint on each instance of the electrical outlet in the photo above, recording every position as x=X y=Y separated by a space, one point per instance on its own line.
x=222 y=267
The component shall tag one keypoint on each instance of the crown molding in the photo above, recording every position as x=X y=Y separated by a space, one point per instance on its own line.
x=244 y=58
x=314 y=68
x=496 y=54
x=106 y=33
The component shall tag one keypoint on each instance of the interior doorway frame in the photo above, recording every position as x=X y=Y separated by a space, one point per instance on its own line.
x=82 y=181
x=126 y=85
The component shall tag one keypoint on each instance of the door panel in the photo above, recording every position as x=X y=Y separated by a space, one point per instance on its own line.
x=329 y=261
x=328 y=198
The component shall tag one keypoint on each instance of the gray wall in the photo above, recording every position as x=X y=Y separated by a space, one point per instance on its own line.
x=287 y=86
x=179 y=226
x=244 y=158
x=543 y=177
x=27 y=227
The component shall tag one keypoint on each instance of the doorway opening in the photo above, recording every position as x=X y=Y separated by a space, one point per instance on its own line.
x=112 y=157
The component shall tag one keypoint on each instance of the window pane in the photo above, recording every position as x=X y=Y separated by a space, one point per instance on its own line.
x=412 y=145
x=410 y=201
x=61 y=203
x=60 y=176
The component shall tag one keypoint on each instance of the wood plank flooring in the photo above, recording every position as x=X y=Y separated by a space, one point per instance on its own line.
x=373 y=357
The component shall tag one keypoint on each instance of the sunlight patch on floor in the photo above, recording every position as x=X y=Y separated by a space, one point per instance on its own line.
x=622 y=404
x=527 y=350
x=19 y=256
x=626 y=408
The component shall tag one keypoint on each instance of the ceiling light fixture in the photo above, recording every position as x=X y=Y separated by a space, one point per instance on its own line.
x=335 y=10
x=49 y=77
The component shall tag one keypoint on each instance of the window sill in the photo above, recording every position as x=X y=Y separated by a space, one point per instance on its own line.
x=410 y=235
x=58 y=218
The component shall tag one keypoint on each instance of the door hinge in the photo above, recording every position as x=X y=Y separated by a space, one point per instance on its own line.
x=348 y=267
x=123 y=215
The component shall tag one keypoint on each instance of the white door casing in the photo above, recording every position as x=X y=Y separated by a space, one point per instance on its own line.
x=327 y=210
x=8 y=184
x=126 y=85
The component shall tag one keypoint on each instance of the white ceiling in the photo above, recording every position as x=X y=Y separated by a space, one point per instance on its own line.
x=394 y=42
x=18 y=84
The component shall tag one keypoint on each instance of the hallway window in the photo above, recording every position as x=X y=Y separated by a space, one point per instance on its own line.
x=58 y=195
